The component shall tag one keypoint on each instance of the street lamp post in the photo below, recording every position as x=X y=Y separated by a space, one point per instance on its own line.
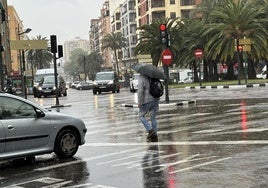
x=22 y=63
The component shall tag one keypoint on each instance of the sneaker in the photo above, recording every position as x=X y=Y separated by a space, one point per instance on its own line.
x=151 y=134
x=154 y=138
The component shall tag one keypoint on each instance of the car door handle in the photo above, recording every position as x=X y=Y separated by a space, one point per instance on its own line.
x=10 y=127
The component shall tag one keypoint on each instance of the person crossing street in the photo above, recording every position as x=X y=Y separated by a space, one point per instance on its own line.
x=147 y=104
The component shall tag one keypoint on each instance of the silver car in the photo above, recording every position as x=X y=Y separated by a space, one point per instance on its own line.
x=133 y=84
x=27 y=129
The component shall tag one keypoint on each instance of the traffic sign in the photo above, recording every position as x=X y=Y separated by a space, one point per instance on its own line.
x=244 y=41
x=167 y=57
x=198 y=53
x=28 y=44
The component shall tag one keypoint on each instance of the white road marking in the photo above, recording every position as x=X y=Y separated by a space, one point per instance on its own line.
x=182 y=143
x=46 y=180
x=199 y=165
x=124 y=158
x=86 y=159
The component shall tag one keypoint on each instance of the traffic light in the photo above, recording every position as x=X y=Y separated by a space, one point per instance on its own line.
x=53 y=41
x=60 y=51
x=163 y=35
x=240 y=48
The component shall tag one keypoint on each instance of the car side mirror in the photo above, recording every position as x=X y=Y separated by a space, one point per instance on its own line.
x=39 y=113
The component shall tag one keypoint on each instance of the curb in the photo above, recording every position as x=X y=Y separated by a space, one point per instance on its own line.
x=227 y=86
x=181 y=103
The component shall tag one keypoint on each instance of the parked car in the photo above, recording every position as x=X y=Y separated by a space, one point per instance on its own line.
x=74 y=84
x=262 y=75
x=186 y=80
x=84 y=85
x=26 y=130
x=105 y=82
x=133 y=84
x=47 y=87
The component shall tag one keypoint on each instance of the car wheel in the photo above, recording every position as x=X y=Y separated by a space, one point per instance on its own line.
x=66 y=143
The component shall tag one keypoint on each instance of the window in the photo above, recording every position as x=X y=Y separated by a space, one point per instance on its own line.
x=15 y=109
x=173 y=15
x=172 y=2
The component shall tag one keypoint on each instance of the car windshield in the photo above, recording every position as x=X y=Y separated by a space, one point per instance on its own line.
x=38 y=77
x=49 y=80
x=104 y=76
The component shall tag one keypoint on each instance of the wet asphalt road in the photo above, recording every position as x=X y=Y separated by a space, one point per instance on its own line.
x=220 y=141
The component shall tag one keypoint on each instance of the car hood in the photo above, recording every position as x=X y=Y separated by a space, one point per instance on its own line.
x=64 y=118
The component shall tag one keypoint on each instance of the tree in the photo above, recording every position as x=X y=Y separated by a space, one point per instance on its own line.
x=82 y=62
x=149 y=39
x=40 y=58
x=114 y=41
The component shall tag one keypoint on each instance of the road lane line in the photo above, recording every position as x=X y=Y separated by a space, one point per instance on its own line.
x=86 y=159
x=199 y=165
x=182 y=143
x=124 y=158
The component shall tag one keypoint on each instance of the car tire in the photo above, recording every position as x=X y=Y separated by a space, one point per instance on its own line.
x=66 y=143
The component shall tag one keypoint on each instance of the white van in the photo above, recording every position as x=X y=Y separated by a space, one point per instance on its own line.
x=40 y=73
x=263 y=73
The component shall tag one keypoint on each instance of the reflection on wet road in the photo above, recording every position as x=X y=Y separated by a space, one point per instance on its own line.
x=221 y=141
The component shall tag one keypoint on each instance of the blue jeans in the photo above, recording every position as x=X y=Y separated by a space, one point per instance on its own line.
x=150 y=107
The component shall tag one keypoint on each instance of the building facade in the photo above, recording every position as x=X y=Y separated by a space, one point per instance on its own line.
x=77 y=43
x=5 y=60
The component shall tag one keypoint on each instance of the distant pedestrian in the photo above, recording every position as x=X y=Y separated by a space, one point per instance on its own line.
x=147 y=104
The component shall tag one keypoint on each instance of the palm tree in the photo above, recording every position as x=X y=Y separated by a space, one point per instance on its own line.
x=114 y=41
x=149 y=41
x=40 y=58
x=235 y=21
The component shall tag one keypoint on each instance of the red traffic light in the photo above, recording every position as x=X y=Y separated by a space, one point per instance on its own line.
x=240 y=48
x=162 y=27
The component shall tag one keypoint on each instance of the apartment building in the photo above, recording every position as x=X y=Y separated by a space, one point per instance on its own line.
x=15 y=27
x=128 y=29
x=126 y=16
x=5 y=62
x=70 y=46
x=149 y=10
x=104 y=29
x=94 y=36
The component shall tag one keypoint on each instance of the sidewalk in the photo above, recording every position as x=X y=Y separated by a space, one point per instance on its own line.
x=228 y=86
x=163 y=103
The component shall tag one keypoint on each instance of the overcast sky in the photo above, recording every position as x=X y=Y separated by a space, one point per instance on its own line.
x=66 y=19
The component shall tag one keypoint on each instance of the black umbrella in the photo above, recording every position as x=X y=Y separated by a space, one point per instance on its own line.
x=148 y=70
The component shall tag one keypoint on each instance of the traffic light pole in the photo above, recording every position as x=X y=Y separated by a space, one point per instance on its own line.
x=164 y=39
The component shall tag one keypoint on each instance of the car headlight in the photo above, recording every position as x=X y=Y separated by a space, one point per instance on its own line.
x=54 y=87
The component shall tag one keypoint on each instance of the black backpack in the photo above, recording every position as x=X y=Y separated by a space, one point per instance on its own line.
x=156 y=87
